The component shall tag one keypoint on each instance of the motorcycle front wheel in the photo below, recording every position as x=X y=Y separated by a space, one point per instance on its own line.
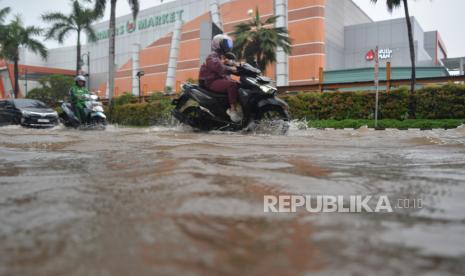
x=98 y=123
x=274 y=119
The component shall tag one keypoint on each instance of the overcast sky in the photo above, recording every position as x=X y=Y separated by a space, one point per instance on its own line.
x=442 y=15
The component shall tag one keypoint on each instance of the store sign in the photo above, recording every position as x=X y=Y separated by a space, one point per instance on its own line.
x=142 y=24
x=370 y=55
x=383 y=54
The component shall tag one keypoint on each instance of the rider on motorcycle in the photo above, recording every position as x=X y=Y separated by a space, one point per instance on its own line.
x=78 y=94
x=215 y=74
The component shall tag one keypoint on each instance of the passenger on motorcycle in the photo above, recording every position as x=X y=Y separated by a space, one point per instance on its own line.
x=215 y=74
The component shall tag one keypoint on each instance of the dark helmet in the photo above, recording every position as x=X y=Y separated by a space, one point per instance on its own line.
x=222 y=43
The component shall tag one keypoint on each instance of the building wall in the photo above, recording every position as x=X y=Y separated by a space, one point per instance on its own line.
x=392 y=34
x=431 y=43
x=63 y=57
x=7 y=87
x=435 y=47
x=340 y=13
x=306 y=24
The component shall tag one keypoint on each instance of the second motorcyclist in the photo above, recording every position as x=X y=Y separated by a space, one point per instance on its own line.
x=78 y=93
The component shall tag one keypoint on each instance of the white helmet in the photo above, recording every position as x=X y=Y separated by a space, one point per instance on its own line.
x=222 y=43
x=80 y=78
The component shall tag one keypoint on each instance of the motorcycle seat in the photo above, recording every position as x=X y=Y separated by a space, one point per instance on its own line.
x=211 y=94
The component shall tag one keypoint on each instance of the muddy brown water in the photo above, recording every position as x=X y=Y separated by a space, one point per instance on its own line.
x=165 y=201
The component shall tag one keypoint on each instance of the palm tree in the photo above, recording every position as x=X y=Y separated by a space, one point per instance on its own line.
x=256 y=41
x=100 y=6
x=80 y=20
x=16 y=35
x=391 y=4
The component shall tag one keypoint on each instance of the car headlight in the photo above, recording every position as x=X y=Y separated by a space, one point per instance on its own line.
x=26 y=113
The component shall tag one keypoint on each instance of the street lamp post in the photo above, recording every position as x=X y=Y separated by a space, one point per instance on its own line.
x=25 y=82
x=139 y=75
x=87 y=55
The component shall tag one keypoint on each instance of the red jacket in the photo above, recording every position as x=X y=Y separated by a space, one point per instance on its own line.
x=213 y=69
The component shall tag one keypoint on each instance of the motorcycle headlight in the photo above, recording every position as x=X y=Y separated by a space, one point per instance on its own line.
x=97 y=108
x=268 y=89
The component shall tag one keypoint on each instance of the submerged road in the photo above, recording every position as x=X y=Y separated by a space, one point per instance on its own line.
x=164 y=201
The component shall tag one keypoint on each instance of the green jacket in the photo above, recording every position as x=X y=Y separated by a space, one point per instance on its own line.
x=77 y=95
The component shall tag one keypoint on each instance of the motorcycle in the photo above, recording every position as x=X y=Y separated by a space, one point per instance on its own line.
x=205 y=110
x=95 y=117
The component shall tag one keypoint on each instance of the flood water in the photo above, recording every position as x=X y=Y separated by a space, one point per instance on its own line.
x=164 y=201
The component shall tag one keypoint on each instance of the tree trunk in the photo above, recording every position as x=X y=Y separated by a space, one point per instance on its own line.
x=111 y=55
x=260 y=62
x=16 y=76
x=78 y=57
x=412 y=100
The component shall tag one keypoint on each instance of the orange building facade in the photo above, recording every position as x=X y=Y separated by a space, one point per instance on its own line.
x=306 y=25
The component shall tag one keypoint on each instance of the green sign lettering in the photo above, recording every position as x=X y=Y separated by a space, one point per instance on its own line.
x=142 y=24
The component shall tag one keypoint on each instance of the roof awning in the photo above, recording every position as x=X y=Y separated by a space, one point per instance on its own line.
x=454 y=64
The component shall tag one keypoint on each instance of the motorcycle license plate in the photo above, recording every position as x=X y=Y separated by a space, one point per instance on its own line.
x=43 y=120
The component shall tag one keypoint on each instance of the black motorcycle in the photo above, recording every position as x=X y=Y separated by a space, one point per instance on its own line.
x=205 y=110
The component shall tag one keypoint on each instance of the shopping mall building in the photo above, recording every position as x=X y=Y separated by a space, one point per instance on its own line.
x=170 y=41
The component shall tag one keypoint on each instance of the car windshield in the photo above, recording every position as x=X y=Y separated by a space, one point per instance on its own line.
x=29 y=103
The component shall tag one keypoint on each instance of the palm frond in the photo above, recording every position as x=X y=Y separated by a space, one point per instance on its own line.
x=36 y=47
x=271 y=20
x=63 y=33
x=99 y=7
x=77 y=9
x=56 y=28
x=134 y=7
x=3 y=13
x=33 y=31
x=55 y=17
x=90 y=32
x=391 y=4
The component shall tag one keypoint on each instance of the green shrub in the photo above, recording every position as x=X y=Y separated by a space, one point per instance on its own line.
x=333 y=110
x=157 y=96
x=142 y=114
x=126 y=98
x=441 y=102
x=433 y=102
